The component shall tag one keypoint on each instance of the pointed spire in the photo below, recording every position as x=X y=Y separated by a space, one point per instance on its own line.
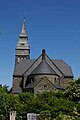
x=23 y=38
x=23 y=32
x=22 y=47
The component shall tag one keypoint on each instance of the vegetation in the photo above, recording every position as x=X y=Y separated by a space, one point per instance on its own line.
x=54 y=105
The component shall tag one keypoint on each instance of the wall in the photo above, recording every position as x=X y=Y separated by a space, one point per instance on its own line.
x=45 y=83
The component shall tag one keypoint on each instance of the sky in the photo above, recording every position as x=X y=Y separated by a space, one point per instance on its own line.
x=53 y=25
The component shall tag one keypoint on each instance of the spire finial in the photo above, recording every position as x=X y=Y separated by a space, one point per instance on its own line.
x=43 y=54
x=24 y=17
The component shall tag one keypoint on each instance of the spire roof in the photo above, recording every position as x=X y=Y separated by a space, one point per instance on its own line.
x=23 y=32
x=23 y=38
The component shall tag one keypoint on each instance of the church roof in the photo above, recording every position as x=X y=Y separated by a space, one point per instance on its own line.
x=29 y=86
x=25 y=64
x=64 y=67
x=59 y=87
x=22 y=66
x=43 y=68
x=42 y=65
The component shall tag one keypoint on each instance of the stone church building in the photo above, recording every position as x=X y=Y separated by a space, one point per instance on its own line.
x=37 y=75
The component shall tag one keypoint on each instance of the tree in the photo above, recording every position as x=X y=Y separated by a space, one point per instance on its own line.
x=3 y=92
x=45 y=115
x=53 y=105
x=73 y=91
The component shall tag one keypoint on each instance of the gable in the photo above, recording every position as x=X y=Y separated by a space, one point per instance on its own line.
x=43 y=68
x=43 y=85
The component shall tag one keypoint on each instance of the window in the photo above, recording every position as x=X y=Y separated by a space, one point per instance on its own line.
x=21 y=58
x=22 y=44
x=55 y=80
x=18 y=59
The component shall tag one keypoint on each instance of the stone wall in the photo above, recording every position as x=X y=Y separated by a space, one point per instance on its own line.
x=17 y=81
x=45 y=83
x=65 y=81
x=42 y=82
x=51 y=78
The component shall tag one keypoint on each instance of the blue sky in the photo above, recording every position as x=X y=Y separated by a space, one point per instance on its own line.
x=51 y=24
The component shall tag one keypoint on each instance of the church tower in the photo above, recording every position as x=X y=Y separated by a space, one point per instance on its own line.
x=22 y=47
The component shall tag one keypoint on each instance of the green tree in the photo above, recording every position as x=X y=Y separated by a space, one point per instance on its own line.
x=73 y=91
x=3 y=92
x=45 y=115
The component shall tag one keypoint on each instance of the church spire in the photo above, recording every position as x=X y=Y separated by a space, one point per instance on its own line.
x=23 y=32
x=22 y=48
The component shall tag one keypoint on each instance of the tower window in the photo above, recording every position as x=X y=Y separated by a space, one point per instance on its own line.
x=24 y=57
x=18 y=59
x=21 y=58
x=22 y=44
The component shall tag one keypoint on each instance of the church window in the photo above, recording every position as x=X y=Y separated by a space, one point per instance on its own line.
x=18 y=59
x=22 y=44
x=21 y=58
x=24 y=57
x=55 y=79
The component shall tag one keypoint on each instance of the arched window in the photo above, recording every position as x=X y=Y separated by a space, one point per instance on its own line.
x=55 y=79
x=18 y=59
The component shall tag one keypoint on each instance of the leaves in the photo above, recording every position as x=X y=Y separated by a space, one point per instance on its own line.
x=53 y=105
x=73 y=91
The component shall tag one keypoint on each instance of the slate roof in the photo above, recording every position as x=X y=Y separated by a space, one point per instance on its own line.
x=43 y=68
x=59 y=87
x=24 y=65
x=17 y=90
x=64 y=67
x=30 y=85
x=21 y=67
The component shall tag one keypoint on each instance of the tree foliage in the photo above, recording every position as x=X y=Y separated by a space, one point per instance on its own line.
x=54 y=105
x=73 y=91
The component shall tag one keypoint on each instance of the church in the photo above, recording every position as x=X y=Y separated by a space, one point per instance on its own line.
x=38 y=75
